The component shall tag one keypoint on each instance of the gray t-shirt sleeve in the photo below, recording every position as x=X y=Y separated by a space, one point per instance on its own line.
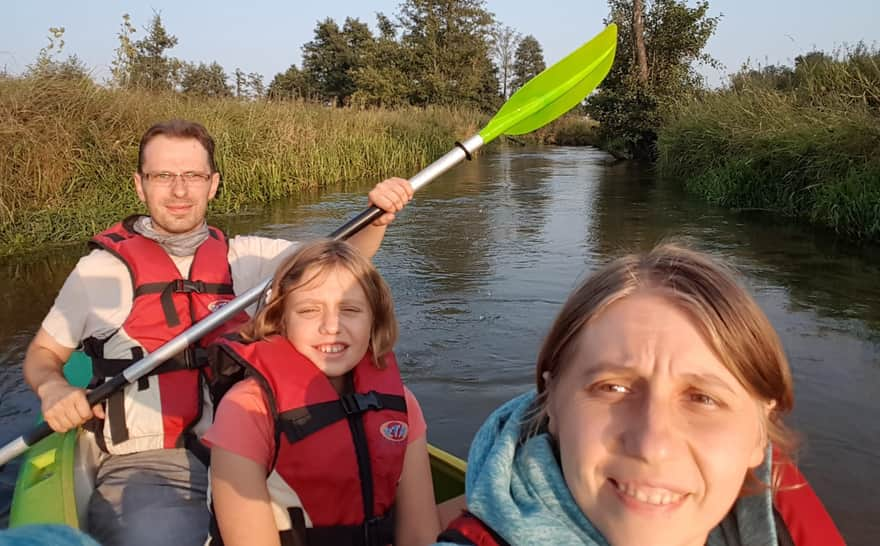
x=253 y=259
x=94 y=300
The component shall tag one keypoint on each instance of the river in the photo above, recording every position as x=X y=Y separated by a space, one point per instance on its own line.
x=482 y=259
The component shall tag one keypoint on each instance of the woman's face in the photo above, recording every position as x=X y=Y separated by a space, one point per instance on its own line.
x=329 y=321
x=655 y=434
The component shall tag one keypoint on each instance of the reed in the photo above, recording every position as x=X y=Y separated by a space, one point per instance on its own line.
x=69 y=148
x=807 y=148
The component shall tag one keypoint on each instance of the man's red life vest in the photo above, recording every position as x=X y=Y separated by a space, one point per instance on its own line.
x=338 y=459
x=158 y=412
x=801 y=519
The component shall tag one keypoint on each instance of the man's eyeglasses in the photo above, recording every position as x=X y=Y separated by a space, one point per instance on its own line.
x=166 y=178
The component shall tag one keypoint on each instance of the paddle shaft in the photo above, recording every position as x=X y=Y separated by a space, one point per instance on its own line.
x=541 y=100
x=191 y=335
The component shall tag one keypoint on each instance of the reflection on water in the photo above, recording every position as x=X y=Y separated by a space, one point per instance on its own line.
x=482 y=259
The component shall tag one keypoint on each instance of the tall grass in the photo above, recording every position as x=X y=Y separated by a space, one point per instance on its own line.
x=68 y=149
x=806 y=147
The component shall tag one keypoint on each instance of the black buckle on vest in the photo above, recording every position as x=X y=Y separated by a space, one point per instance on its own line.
x=354 y=403
x=373 y=535
x=186 y=285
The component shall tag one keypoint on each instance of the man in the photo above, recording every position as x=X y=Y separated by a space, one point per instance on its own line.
x=149 y=278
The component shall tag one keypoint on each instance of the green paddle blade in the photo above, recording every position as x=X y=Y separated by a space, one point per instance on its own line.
x=557 y=89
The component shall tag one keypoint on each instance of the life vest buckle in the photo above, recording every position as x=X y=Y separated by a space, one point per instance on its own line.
x=373 y=532
x=354 y=403
x=186 y=286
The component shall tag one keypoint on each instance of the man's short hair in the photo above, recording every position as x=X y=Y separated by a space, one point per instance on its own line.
x=178 y=128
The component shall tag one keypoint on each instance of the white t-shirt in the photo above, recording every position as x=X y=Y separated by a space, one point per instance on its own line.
x=97 y=296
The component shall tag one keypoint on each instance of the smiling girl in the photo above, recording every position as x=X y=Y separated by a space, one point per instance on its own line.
x=322 y=443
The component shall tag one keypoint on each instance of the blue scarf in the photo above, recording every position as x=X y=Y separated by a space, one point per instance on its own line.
x=519 y=491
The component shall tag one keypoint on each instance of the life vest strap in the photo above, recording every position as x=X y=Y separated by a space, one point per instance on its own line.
x=374 y=532
x=299 y=423
x=179 y=286
x=469 y=530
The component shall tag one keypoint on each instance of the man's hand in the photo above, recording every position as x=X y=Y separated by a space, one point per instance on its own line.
x=390 y=195
x=65 y=406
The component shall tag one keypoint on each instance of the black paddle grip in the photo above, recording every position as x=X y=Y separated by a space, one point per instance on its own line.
x=366 y=217
x=95 y=396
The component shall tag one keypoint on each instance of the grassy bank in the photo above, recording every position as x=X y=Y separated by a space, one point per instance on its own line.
x=802 y=142
x=68 y=149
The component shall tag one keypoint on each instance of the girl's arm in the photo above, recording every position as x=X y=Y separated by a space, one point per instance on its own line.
x=417 y=523
x=241 y=500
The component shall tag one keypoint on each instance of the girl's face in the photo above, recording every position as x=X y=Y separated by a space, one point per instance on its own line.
x=655 y=434
x=329 y=321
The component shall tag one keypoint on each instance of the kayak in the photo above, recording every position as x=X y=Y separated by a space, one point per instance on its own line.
x=57 y=474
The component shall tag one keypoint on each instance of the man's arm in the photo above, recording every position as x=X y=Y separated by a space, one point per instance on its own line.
x=390 y=195
x=63 y=405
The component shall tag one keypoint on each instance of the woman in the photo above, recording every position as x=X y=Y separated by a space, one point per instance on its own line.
x=661 y=389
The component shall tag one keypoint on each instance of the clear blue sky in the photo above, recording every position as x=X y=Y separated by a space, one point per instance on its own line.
x=265 y=36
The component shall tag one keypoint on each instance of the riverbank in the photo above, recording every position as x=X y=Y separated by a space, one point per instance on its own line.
x=803 y=143
x=69 y=148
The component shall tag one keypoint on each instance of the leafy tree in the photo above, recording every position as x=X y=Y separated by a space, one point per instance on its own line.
x=291 y=84
x=448 y=50
x=629 y=106
x=256 y=85
x=240 y=85
x=204 y=80
x=147 y=66
x=331 y=59
x=382 y=79
x=504 y=43
x=528 y=61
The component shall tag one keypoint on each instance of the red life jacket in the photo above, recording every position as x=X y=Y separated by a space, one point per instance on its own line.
x=797 y=507
x=338 y=459
x=160 y=409
x=801 y=519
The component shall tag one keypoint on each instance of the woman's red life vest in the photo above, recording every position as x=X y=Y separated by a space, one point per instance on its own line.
x=160 y=409
x=801 y=519
x=338 y=459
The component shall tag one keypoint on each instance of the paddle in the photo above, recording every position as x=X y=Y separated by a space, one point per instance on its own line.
x=544 y=98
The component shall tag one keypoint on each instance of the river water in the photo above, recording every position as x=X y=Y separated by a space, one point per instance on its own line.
x=482 y=259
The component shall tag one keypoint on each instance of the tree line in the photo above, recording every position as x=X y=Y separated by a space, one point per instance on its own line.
x=443 y=52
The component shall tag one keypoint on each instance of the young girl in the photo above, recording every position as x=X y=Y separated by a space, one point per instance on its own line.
x=321 y=443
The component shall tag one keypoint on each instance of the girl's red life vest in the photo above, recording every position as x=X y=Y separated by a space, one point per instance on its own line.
x=338 y=459
x=159 y=411
x=801 y=518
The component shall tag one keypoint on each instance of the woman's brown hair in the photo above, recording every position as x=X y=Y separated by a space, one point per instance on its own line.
x=731 y=322
x=310 y=262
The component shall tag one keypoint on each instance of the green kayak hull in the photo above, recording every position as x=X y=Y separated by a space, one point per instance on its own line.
x=54 y=481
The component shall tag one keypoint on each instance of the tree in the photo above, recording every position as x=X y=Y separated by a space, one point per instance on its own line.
x=333 y=56
x=256 y=85
x=528 y=62
x=240 y=82
x=638 y=26
x=448 y=51
x=504 y=43
x=291 y=84
x=204 y=80
x=382 y=79
x=628 y=105
x=150 y=68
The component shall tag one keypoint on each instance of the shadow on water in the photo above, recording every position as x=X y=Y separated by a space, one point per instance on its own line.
x=482 y=259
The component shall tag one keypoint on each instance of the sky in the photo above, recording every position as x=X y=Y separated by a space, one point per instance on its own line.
x=266 y=36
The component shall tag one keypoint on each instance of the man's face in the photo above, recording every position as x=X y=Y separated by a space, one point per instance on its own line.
x=176 y=206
